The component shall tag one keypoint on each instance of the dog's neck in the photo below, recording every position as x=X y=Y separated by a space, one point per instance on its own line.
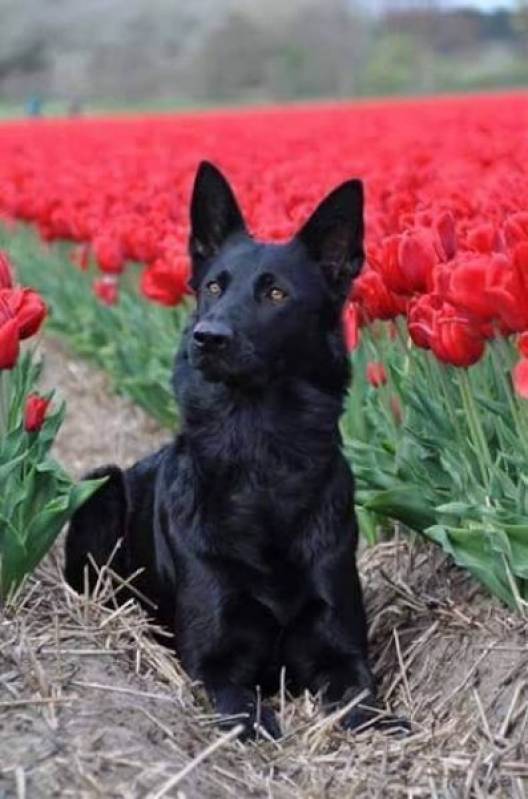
x=288 y=421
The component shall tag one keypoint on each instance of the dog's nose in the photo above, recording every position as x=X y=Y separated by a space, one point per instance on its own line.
x=212 y=336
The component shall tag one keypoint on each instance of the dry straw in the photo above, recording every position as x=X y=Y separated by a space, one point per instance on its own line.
x=92 y=705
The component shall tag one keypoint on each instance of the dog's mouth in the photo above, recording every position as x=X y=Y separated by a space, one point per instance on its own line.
x=226 y=366
x=214 y=367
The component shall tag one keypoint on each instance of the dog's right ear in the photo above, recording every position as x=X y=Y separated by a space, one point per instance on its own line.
x=215 y=215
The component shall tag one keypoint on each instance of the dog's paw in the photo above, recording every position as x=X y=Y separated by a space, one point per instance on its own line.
x=239 y=706
x=398 y=726
x=360 y=719
x=255 y=725
x=267 y=722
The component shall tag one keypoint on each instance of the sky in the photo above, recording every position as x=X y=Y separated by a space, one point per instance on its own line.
x=483 y=5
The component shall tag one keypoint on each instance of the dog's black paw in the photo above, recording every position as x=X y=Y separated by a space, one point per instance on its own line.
x=360 y=719
x=240 y=706
x=394 y=725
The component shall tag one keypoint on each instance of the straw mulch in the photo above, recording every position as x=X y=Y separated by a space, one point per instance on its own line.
x=92 y=706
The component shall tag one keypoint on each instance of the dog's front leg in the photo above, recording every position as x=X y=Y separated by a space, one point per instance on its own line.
x=327 y=645
x=225 y=639
x=238 y=705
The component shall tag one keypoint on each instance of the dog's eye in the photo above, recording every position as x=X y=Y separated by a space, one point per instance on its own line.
x=214 y=288
x=276 y=294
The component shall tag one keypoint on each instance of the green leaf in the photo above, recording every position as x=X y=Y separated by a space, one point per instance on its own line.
x=402 y=504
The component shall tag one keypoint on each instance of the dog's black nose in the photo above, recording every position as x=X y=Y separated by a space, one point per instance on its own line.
x=212 y=336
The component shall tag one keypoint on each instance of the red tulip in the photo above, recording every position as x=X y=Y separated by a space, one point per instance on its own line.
x=108 y=253
x=464 y=283
x=351 y=326
x=375 y=299
x=6 y=272
x=507 y=288
x=455 y=338
x=522 y=344
x=445 y=227
x=516 y=228
x=417 y=258
x=35 y=412
x=106 y=289
x=520 y=378
x=9 y=343
x=452 y=336
x=27 y=307
x=165 y=281
x=483 y=238
x=376 y=374
x=420 y=319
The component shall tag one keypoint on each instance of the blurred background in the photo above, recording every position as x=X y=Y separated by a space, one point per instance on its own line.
x=79 y=55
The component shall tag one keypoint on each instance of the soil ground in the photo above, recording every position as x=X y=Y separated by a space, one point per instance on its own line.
x=92 y=706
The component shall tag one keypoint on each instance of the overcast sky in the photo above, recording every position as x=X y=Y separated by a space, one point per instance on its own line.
x=483 y=5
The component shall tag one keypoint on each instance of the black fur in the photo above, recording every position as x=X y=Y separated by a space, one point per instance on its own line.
x=245 y=525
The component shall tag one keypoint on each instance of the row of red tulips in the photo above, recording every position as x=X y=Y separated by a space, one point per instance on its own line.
x=437 y=322
x=22 y=312
x=37 y=497
x=447 y=196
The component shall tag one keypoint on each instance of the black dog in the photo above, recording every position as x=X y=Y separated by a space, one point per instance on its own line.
x=245 y=525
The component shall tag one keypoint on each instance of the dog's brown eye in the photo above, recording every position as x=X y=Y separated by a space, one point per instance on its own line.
x=214 y=288
x=276 y=294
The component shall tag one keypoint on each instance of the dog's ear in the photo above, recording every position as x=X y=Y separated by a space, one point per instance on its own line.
x=215 y=215
x=333 y=236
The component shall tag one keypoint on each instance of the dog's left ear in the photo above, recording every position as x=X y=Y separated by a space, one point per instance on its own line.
x=333 y=236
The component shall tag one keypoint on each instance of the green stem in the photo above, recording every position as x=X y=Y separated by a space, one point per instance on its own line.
x=507 y=386
x=447 y=390
x=403 y=335
x=4 y=402
x=477 y=433
x=438 y=378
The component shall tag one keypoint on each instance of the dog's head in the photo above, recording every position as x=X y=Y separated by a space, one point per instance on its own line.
x=268 y=309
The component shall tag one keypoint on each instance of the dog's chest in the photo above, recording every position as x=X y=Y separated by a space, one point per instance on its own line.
x=278 y=584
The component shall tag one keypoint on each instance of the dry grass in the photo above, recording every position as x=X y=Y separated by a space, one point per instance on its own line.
x=91 y=705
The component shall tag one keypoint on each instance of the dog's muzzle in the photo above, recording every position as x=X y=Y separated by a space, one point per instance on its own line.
x=212 y=337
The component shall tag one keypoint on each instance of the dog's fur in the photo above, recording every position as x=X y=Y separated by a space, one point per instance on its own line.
x=245 y=524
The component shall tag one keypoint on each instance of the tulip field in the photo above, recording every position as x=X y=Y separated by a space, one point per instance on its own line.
x=94 y=216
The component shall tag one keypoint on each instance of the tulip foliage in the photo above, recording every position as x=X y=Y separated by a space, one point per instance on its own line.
x=437 y=323
x=37 y=496
x=444 y=451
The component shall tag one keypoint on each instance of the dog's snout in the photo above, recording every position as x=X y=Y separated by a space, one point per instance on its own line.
x=212 y=336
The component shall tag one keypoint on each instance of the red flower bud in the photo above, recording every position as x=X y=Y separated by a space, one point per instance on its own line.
x=35 y=412
x=376 y=374
x=165 y=281
x=106 y=289
x=351 y=326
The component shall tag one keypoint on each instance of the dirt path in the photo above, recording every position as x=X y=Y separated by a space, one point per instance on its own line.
x=100 y=427
x=90 y=706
